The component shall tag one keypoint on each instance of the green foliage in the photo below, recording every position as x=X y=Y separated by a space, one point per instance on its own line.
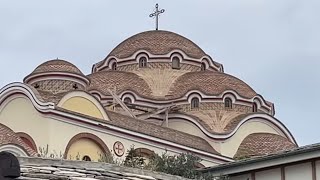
x=134 y=159
x=181 y=165
x=109 y=158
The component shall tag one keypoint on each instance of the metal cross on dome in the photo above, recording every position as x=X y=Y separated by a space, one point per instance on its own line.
x=157 y=14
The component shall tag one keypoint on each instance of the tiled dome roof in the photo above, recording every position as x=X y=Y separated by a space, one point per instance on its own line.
x=158 y=43
x=120 y=80
x=57 y=65
x=7 y=136
x=209 y=82
x=259 y=144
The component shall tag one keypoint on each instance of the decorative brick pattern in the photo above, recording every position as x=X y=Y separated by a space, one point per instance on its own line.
x=158 y=43
x=158 y=65
x=259 y=144
x=217 y=106
x=210 y=83
x=47 y=96
x=118 y=80
x=160 y=132
x=180 y=83
x=127 y=68
x=29 y=141
x=214 y=116
x=159 y=80
x=57 y=86
x=57 y=66
x=8 y=136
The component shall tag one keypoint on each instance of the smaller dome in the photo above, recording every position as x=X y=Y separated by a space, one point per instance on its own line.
x=57 y=76
x=260 y=144
x=57 y=65
x=8 y=136
x=211 y=83
x=120 y=80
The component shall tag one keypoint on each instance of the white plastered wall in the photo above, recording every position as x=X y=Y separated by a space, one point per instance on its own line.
x=20 y=115
x=242 y=177
x=272 y=174
x=299 y=172
x=317 y=164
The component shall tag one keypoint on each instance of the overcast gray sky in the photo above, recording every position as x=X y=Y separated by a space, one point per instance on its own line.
x=270 y=44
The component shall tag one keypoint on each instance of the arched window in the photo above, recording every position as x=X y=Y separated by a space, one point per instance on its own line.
x=86 y=158
x=203 y=66
x=254 y=107
x=142 y=62
x=114 y=66
x=228 y=103
x=127 y=100
x=175 y=63
x=194 y=103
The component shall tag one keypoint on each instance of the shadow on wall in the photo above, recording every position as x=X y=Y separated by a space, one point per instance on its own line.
x=9 y=166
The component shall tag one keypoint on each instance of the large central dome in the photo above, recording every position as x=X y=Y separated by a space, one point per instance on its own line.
x=158 y=43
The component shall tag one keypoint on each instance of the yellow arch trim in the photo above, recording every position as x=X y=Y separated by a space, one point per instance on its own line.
x=84 y=103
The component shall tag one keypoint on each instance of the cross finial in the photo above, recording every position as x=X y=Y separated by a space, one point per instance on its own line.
x=157 y=14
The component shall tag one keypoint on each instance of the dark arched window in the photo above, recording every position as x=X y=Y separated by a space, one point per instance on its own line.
x=142 y=62
x=203 y=66
x=228 y=103
x=194 y=103
x=254 y=107
x=86 y=158
x=114 y=66
x=127 y=100
x=175 y=63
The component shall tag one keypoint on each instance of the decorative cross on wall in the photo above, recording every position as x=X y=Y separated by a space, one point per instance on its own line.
x=118 y=148
x=157 y=14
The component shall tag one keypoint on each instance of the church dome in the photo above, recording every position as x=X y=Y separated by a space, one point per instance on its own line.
x=210 y=83
x=119 y=81
x=157 y=42
x=57 y=65
x=259 y=144
x=57 y=76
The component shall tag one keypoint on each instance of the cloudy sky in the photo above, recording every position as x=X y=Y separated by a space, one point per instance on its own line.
x=272 y=45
